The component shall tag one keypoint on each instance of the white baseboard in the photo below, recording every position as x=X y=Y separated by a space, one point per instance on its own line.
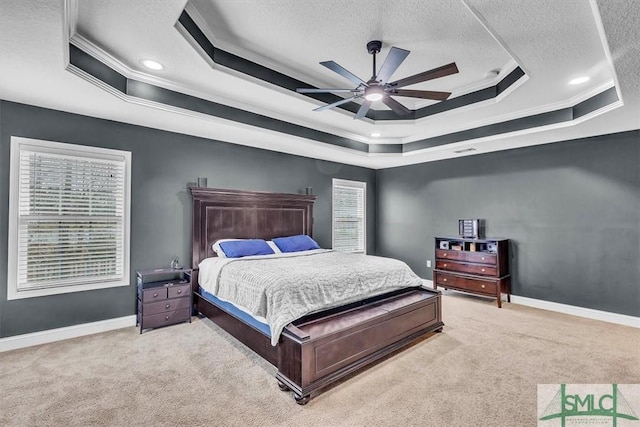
x=589 y=313
x=59 y=334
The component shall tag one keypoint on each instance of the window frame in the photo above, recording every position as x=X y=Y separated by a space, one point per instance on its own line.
x=17 y=145
x=353 y=184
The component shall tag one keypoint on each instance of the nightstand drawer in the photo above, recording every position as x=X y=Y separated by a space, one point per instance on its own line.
x=479 y=257
x=485 y=270
x=179 y=291
x=466 y=283
x=154 y=294
x=166 y=305
x=167 y=318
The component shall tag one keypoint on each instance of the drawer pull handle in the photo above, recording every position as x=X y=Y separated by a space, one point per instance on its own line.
x=155 y=295
x=482 y=286
x=167 y=306
x=483 y=270
x=483 y=258
x=166 y=317
x=444 y=254
x=179 y=291
x=445 y=265
x=445 y=279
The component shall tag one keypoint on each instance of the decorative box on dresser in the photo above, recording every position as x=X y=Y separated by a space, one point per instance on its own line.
x=164 y=297
x=477 y=266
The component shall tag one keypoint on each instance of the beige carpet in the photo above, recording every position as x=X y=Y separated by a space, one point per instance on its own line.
x=481 y=371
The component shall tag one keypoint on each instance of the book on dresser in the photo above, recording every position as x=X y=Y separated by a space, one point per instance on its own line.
x=477 y=266
x=164 y=297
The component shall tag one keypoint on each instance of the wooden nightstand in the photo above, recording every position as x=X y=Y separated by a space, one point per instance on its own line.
x=164 y=297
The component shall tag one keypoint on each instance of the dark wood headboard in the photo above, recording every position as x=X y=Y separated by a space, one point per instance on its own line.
x=224 y=214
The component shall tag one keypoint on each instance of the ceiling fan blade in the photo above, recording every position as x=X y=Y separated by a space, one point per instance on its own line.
x=436 y=73
x=335 y=104
x=343 y=72
x=324 y=90
x=398 y=108
x=363 y=110
x=424 y=94
x=391 y=63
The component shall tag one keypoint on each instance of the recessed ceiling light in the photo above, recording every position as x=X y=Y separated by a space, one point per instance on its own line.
x=579 y=80
x=152 y=65
x=376 y=134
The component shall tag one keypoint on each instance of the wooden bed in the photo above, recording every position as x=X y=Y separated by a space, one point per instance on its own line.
x=317 y=350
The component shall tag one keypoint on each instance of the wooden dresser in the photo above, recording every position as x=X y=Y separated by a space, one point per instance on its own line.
x=477 y=266
x=164 y=297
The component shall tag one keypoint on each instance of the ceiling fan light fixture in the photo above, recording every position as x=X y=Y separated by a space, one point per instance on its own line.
x=374 y=93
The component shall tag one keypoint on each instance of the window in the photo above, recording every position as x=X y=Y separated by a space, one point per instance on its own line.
x=349 y=215
x=68 y=218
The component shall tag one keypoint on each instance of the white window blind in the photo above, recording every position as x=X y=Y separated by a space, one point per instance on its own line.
x=349 y=215
x=71 y=218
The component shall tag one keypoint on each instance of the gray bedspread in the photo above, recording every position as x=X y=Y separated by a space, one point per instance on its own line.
x=283 y=289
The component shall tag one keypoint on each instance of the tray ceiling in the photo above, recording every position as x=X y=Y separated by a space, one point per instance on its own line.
x=543 y=46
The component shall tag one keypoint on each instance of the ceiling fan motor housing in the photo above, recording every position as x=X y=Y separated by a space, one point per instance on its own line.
x=374 y=46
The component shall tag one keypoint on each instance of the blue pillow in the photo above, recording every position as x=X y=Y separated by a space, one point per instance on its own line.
x=298 y=243
x=240 y=248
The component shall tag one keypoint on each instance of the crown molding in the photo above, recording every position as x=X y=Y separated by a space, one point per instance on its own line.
x=477 y=142
x=482 y=84
x=112 y=62
x=569 y=103
x=481 y=19
x=605 y=45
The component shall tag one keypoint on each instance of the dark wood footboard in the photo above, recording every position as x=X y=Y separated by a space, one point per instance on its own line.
x=318 y=350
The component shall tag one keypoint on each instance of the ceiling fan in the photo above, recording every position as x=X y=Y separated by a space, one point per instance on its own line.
x=377 y=88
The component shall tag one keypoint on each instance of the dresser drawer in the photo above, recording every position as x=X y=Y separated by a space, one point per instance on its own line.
x=179 y=291
x=478 y=257
x=154 y=294
x=485 y=270
x=167 y=318
x=166 y=305
x=466 y=283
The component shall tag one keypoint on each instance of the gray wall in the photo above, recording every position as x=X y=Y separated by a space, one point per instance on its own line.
x=571 y=210
x=162 y=165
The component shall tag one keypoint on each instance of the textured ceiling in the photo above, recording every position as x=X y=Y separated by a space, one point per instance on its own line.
x=552 y=41
x=436 y=33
